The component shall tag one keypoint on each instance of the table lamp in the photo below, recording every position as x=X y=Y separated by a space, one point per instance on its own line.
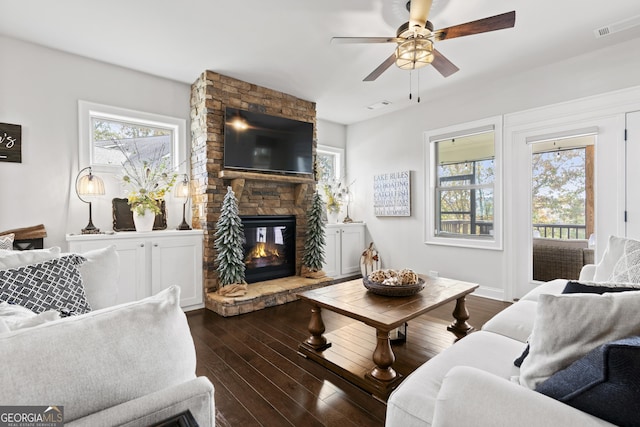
x=183 y=191
x=89 y=186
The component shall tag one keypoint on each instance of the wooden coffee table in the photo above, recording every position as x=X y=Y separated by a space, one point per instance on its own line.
x=383 y=313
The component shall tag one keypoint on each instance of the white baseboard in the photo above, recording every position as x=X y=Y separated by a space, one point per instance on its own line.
x=492 y=293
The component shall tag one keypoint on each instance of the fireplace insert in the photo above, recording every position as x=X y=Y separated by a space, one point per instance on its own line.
x=270 y=247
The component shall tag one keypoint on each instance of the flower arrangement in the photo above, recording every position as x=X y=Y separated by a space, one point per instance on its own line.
x=334 y=192
x=147 y=180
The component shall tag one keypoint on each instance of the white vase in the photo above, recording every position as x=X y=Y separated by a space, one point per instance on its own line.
x=144 y=222
x=333 y=217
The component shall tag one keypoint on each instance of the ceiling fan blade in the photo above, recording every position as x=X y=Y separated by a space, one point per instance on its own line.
x=419 y=12
x=442 y=64
x=381 y=68
x=365 y=40
x=498 y=22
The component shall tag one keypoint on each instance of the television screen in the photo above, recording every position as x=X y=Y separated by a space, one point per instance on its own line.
x=257 y=141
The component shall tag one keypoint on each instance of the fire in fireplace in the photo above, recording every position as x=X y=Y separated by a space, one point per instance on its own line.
x=270 y=247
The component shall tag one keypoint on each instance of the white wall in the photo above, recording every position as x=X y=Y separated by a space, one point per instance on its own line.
x=331 y=134
x=395 y=142
x=40 y=89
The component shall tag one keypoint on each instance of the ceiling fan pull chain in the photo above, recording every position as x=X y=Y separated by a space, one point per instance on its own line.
x=410 y=85
x=418 y=86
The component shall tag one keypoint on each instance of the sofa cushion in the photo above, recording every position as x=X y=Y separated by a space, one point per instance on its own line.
x=515 y=321
x=413 y=403
x=14 y=259
x=553 y=287
x=100 y=359
x=53 y=284
x=14 y=317
x=569 y=326
x=603 y=383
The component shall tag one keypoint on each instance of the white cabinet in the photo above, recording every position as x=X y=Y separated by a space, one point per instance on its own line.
x=343 y=249
x=151 y=262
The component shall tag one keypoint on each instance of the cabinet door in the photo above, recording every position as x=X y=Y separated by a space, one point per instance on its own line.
x=178 y=261
x=352 y=238
x=132 y=278
x=332 y=252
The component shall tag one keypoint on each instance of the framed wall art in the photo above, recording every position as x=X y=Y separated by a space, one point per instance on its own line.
x=392 y=194
x=10 y=143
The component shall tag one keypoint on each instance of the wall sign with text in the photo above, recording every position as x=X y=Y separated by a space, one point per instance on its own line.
x=10 y=143
x=392 y=194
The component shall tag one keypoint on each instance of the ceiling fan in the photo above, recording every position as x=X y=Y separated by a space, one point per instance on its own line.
x=415 y=39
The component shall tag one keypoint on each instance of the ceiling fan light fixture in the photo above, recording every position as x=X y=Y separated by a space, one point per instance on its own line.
x=414 y=53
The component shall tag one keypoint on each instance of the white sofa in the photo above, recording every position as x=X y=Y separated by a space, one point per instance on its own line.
x=131 y=365
x=475 y=382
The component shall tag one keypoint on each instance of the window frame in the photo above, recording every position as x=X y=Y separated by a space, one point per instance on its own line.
x=339 y=154
x=90 y=110
x=493 y=242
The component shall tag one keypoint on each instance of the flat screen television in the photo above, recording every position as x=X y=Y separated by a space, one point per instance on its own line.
x=256 y=141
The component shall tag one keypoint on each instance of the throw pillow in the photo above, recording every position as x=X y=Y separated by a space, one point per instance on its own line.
x=580 y=288
x=604 y=383
x=569 y=326
x=595 y=288
x=100 y=273
x=13 y=259
x=53 y=284
x=6 y=242
x=612 y=254
x=627 y=269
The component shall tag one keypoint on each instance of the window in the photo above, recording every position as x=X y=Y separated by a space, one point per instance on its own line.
x=109 y=134
x=464 y=185
x=329 y=163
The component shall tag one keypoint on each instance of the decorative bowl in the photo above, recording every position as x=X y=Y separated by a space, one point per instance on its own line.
x=393 y=290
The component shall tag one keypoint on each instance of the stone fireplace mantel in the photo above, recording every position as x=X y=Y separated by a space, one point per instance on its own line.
x=239 y=178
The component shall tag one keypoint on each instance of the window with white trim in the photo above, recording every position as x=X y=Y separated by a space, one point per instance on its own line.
x=329 y=161
x=464 y=203
x=109 y=135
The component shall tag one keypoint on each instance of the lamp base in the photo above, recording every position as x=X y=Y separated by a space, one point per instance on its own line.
x=183 y=226
x=91 y=230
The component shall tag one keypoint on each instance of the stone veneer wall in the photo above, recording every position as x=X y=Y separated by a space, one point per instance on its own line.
x=210 y=94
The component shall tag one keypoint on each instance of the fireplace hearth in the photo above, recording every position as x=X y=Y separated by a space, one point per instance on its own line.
x=270 y=247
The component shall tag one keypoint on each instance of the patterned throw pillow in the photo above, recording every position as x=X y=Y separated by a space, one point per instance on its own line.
x=6 y=242
x=627 y=269
x=53 y=284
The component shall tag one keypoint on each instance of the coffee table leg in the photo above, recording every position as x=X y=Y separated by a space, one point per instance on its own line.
x=383 y=357
x=460 y=327
x=316 y=341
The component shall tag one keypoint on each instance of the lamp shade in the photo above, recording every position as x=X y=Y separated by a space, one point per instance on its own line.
x=414 y=53
x=90 y=185
x=182 y=188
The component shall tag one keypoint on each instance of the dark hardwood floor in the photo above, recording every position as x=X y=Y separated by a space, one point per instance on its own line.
x=261 y=380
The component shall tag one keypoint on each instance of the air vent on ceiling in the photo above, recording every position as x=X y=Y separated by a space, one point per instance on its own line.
x=616 y=27
x=379 y=105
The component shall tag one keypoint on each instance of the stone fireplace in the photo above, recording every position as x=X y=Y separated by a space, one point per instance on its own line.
x=258 y=194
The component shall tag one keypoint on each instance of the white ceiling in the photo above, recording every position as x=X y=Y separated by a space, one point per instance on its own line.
x=285 y=44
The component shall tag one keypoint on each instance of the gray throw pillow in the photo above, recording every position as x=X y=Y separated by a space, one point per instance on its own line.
x=604 y=383
x=53 y=284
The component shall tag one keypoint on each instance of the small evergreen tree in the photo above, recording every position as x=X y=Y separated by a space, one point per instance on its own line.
x=313 y=256
x=229 y=237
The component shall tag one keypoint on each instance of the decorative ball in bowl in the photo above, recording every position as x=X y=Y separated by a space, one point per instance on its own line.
x=394 y=283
